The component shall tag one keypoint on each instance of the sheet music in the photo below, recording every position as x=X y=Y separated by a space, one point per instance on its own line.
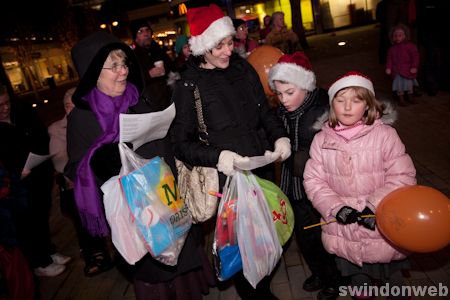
x=34 y=160
x=255 y=162
x=139 y=129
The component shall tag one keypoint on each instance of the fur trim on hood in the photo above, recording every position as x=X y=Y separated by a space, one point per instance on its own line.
x=389 y=116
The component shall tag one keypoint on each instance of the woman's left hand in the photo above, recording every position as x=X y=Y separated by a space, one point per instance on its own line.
x=283 y=147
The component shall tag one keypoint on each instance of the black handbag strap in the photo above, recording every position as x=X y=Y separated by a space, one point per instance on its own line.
x=203 y=132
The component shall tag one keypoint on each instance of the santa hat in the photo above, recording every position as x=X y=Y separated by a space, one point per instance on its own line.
x=349 y=79
x=208 y=26
x=293 y=68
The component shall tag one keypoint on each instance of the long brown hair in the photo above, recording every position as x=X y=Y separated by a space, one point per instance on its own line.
x=374 y=107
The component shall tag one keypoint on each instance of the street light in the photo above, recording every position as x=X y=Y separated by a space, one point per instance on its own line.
x=108 y=25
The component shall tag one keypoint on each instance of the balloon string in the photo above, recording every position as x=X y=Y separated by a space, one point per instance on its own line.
x=325 y=223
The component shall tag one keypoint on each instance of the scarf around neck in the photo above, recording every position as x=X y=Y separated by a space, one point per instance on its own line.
x=106 y=110
x=292 y=185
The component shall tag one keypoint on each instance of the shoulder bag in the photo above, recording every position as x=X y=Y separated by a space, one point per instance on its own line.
x=196 y=182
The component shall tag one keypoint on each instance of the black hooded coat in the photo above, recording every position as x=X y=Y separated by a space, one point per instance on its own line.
x=83 y=129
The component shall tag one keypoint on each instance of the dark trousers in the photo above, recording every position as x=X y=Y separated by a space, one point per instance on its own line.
x=89 y=245
x=32 y=224
x=320 y=262
x=246 y=291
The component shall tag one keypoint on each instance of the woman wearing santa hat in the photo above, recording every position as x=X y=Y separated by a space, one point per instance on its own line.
x=238 y=118
x=304 y=107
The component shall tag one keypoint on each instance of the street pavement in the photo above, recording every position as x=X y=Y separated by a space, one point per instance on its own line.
x=423 y=127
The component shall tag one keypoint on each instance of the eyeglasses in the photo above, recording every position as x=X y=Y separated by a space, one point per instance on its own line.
x=115 y=68
x=242 y=28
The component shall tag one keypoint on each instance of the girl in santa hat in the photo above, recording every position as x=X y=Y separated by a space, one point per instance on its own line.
x=235 y=111
x=356 y=160
x=302 y=105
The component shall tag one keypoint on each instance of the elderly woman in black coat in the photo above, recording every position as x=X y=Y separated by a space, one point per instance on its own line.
x=110 y=84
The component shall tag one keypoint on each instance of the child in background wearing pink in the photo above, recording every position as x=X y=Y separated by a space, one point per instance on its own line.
x=402 y=63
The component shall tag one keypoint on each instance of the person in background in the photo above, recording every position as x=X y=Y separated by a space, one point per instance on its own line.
x=303 y=109
x=182 y=51
x=243 y=45
x=356 y=160
x=235 y=110
x=264 y=31
x=155 y=65
x=434 y=44
x=402 y=64
x=280 y=37
x=110 y=84
x=23 y=133
x=16 y=276
x=92 y=249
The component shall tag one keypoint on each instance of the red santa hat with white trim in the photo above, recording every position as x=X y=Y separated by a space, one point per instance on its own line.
x=349 y=79
x=293 y=68
x=208 y=26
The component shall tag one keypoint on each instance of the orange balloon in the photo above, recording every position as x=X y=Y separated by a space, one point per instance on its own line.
x=415 y=218
x=262 y=59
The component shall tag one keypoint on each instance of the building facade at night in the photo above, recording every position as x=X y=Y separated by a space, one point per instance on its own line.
x=38 y=62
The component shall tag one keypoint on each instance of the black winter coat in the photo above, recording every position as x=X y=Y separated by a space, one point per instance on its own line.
x=156 y=92
x=306 y=130
x=235 y=110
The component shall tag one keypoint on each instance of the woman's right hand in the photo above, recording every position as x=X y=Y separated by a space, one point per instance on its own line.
x=226 y=162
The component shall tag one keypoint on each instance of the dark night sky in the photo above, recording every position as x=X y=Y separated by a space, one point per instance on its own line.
x=37 y=14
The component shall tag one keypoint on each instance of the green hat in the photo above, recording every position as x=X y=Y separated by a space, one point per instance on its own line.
x=180 y=42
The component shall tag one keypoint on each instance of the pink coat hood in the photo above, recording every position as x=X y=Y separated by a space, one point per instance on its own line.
x=359 y=172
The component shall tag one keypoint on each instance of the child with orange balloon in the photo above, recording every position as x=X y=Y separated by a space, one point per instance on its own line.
x=356 y=160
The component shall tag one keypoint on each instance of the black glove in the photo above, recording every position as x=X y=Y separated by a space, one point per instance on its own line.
x=347 y=215
x=369 y=222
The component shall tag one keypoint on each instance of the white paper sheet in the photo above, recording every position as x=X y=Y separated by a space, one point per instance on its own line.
x=254 y=162
x=139 y=129
x=34 y=160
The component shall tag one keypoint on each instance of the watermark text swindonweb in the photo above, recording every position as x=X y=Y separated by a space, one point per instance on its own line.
x=387 y=290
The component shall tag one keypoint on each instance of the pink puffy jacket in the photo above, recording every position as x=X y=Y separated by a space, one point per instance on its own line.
x=356 y=173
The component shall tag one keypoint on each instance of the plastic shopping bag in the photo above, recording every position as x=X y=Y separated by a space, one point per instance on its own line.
x=258 y=241
x=124 y=233
x=225 y=247
x=154 y=200
x=279 y=205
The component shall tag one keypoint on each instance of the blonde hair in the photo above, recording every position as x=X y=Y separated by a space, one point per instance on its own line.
x=274 y=15
x=117 y=53
x=374 y=107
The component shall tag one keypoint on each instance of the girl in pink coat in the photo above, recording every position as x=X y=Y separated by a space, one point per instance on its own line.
x=356 y=160
x=402 y=63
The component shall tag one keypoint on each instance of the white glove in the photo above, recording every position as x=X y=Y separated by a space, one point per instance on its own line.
x=283 y=147
x=272 y=155
x=226 y=162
